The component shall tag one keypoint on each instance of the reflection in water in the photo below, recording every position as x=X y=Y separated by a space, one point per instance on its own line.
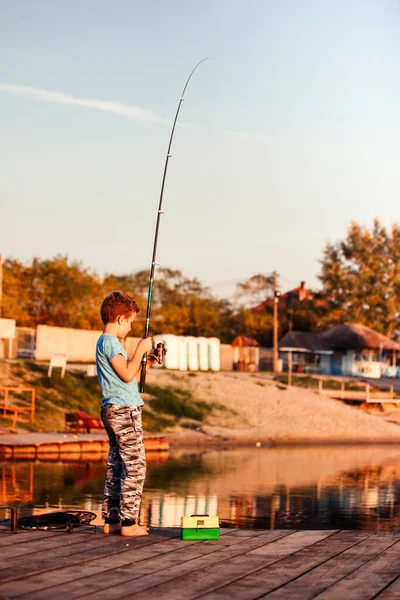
x=164 y=510
x=297 y=487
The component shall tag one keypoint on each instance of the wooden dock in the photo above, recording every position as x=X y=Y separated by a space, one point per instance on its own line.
x=360 y=396
x=242 y=564
x=54 y=446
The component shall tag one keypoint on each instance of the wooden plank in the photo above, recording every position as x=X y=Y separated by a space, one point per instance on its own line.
x=103 y=579
x=55 y=558
x=81 y=551
x=196 y=584
x=245 y=533
x=16 y=586
x=327 y=574
x=382 y=400
x=392 y=592
x=278 y=574
x=24 y=537
x=340 y=565
x=73 y=546
x=366 y=582
x=294 y=543
x=9 y=538
x=43 y=544
x=132 y=571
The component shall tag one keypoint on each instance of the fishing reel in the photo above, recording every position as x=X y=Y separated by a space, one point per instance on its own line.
x=158 y=353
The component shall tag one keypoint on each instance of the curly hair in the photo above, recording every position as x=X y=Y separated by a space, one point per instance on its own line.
x=117 y=305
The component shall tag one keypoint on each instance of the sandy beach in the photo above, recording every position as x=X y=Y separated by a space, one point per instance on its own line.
x=252 y=407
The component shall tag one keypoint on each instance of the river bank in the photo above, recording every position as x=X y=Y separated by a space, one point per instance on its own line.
x=255 y=408
x=211 y=409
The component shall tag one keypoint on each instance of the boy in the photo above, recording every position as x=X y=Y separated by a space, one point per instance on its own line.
x=121 y=415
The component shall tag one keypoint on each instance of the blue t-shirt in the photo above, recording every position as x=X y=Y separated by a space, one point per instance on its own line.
x=114 y=389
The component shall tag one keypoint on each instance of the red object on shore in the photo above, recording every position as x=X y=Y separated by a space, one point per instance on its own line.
x=80 y=420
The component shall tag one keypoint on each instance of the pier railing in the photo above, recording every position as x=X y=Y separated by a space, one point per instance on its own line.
x=358 y=396
x=10 y=404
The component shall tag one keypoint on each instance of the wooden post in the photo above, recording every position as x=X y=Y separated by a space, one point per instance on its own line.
x=33 y=402
x=1 y=282
x=287 y=502
x=274 y=506
x=290 y=367
x=367 y=388
x=5 y=402
x=392 y=394
x=14 y=517
x=391 y=499
x=320 y=387
x=275 y=323
x=319 y=489
x=15 y=416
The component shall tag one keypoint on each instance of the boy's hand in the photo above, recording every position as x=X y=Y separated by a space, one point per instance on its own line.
x=151 y=360
x=146 y=345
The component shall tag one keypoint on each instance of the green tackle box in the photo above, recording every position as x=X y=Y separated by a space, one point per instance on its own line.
x=200 y=527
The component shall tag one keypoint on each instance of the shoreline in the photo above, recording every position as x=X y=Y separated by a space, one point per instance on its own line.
x=50 y=446
x=233 y=410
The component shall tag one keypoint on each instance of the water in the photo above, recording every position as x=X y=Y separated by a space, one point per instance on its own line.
x=353 y=487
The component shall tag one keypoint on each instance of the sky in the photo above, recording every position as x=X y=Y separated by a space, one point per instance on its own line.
x=288 y=133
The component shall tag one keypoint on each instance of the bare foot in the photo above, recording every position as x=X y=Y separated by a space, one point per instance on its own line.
x=110 y=528
x=134 y=530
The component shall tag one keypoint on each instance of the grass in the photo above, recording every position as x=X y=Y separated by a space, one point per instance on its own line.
x=154 y=422
x=76 y=391
x=177 y=402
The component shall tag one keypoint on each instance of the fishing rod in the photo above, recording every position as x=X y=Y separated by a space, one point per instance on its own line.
x=159 y=352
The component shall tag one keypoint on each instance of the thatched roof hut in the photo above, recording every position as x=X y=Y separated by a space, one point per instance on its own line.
x=304 y=341
x=354 y=336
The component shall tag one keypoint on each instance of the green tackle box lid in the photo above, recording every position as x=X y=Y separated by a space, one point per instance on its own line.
x=199 y=522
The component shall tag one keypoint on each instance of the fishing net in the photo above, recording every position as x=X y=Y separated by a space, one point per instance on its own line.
x=81 y=517
x=56 y=520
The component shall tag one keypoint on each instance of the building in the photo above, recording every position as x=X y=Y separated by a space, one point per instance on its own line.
x=246 y=353
x=293 y=297
x=299 y=308
x=306 y=351
x=347 y=349
x=359 y=350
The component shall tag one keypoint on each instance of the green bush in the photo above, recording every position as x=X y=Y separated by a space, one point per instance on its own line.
x=177 y=402
x=76 y=391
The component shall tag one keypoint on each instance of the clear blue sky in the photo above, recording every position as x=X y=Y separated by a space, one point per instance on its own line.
x=291 y=130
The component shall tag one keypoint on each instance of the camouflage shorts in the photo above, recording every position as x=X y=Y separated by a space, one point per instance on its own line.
x=126 y=465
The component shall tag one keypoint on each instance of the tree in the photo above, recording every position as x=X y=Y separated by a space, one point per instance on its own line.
x=16 y=292
x=253 y=315
x=255 y=290
x=361 y=278
x=52 y=292
x=63 y=293
x=185 y=307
